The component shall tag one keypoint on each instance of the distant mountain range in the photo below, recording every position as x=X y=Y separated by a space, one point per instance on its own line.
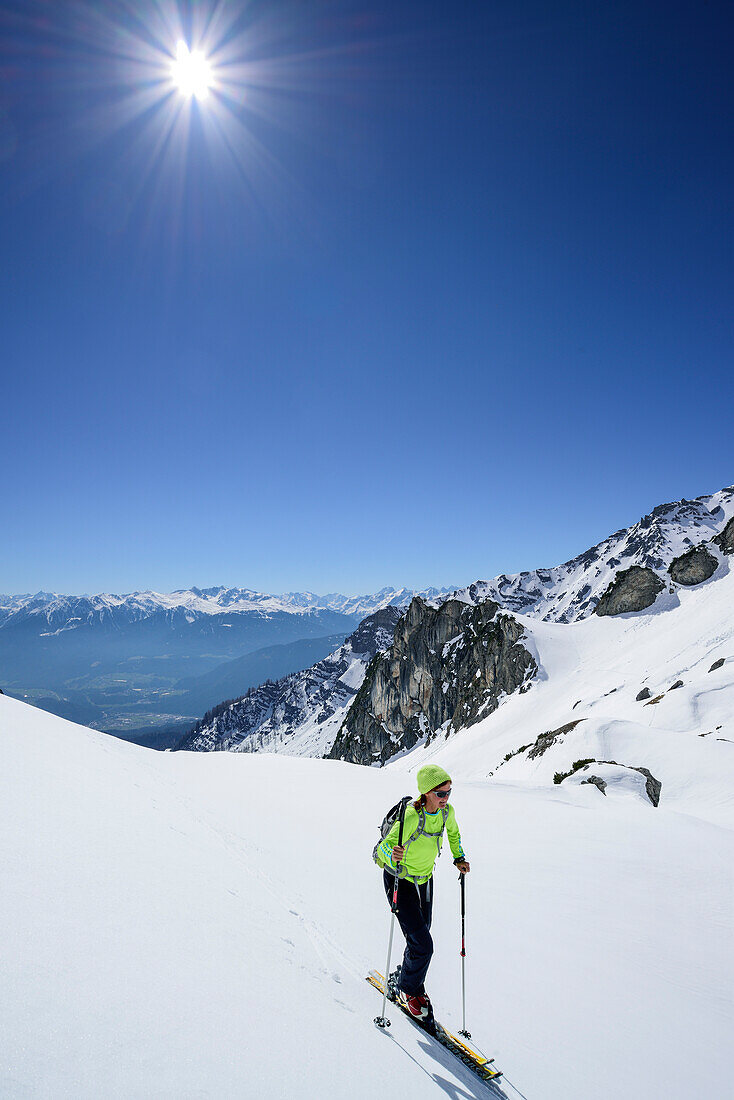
x=62 y=613
x=145 y=665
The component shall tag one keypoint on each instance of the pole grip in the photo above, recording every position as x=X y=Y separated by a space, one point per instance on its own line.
x=394 y=906
x=402 y=822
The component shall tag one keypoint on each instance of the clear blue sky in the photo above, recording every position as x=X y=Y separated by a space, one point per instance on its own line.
x=436 y=290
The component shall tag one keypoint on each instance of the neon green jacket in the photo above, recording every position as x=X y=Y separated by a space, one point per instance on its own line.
x=420 y=852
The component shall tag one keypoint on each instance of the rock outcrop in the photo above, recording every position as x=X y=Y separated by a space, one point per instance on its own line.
x=653 y=786
x=597 y=782
x=632 y=589
x=693 y=567
x=448 y=666
x=725 y=540
x=547 y=740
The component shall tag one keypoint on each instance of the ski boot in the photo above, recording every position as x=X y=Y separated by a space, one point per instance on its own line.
x=420 y=1008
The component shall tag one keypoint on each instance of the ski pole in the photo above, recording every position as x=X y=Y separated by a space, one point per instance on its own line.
x=464 y=1032
x=382 y=1020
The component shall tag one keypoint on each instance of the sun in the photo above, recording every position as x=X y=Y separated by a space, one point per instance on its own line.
x=191 y=72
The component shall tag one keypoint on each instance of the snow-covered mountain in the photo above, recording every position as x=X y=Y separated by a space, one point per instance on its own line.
x=299 y=714
x=426 y=684
x=571 y=591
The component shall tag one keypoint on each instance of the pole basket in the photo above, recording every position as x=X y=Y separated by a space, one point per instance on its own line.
x=382 y=1022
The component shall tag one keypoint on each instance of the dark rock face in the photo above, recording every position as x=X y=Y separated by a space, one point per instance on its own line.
x=644 y=694
x=600 y=783
x=447 y=666
x=677 y=684
x=725 y=541
x=633 y=589
x=693 y=567
x=653 y=786
x=717 y=664
x=375 y=631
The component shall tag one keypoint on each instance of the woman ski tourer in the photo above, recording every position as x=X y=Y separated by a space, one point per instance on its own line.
x=413 y=863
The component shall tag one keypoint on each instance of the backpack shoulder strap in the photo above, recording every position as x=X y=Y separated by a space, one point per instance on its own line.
x=419 y=829
x=439 y=836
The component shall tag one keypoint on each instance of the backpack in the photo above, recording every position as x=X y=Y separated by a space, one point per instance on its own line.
x=398 y=811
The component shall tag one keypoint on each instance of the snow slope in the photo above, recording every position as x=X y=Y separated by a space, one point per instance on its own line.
x=199 y=924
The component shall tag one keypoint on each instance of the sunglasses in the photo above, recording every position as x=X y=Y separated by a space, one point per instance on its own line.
x=442 y=794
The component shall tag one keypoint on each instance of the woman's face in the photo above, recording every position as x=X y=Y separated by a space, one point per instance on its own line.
x=438 y=798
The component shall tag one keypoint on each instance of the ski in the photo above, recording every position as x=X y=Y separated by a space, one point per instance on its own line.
x=471 y=1056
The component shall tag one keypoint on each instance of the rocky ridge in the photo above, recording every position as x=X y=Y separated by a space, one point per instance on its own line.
x=572 y=591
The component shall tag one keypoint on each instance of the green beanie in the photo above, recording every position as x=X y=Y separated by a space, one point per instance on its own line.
x=430 y=776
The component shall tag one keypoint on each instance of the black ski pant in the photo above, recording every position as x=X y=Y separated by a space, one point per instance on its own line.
x=415 y=908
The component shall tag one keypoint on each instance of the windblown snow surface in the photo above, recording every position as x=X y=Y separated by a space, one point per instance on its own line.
x=200 y=924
